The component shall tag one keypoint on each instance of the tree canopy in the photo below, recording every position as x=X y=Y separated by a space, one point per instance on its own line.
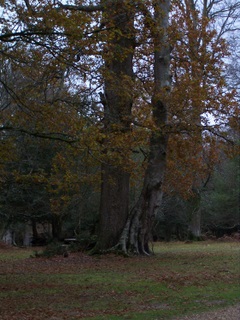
x=112 y=80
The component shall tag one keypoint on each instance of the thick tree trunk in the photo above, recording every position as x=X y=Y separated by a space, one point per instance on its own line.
x=117 y=103
x=113 y=206
x=137 y=232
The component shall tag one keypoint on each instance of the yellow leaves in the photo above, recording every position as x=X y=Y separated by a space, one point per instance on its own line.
x=47 y=100
x=187 y=165
x=31 y=178
x=197 y=64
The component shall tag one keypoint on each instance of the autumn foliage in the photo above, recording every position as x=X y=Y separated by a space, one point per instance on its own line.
x=85 y=75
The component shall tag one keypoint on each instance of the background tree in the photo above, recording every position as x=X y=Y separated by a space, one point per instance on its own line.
x=198 y=56
x=221 y=201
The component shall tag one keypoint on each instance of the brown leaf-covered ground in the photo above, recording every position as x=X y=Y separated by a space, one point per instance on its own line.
x=230 y=313
x=180 y=279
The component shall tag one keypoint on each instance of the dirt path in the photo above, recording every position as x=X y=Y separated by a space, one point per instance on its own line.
x=231 y=313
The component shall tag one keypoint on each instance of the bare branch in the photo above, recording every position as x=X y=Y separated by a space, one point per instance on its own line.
x=81 y=7
x=29 y=7
x=13 y=36
x=44 y=135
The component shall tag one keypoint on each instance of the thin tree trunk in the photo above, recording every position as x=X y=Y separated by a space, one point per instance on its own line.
x=57 y=227
x=34 y=229
x=194 y=227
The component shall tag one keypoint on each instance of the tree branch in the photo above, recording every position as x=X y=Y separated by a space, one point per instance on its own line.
x=13 y=36
x=44 y=135
x=29 y=7
x=91 y=8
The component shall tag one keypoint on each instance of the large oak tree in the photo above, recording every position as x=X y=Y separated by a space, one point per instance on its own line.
x=151 y=72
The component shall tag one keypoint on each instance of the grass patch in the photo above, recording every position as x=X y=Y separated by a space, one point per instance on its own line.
x=13 y=253
x=179 y=279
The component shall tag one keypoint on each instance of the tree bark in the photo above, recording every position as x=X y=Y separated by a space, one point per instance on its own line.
x=57 y=227
x=194 y=227
x=137 y=232
x=113 y=206
x=34 y=229
x=117 y=103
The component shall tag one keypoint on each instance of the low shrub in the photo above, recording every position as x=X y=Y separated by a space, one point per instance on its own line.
x=51 y=250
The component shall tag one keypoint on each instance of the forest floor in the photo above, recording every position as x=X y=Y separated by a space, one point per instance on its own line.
x=181 y=281
x=230 y=313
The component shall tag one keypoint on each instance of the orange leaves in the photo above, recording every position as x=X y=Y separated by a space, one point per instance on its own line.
x=187 y=165
x=199 y=93
x=53 y=75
